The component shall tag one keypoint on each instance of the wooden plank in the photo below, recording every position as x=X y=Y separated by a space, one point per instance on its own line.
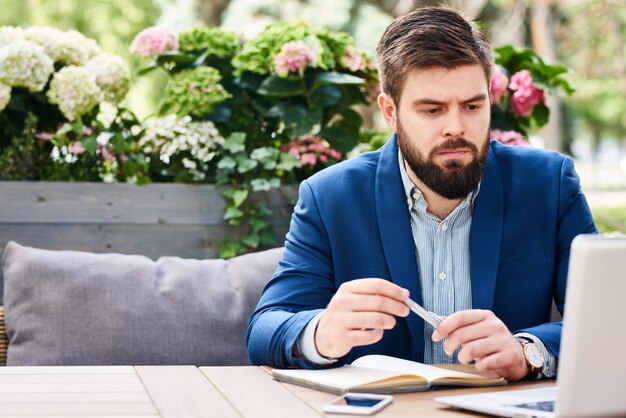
x=71 y=409
x=59 y=370
x=73 y=397
x=256 y=395
x=182 y=391
x=63 y=202
x=84 y=379
x=71 y=388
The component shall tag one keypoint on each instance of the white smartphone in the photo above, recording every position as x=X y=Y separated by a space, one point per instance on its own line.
x=358 y=403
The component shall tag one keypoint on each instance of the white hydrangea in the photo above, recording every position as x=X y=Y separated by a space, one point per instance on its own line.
x=170 y=135
x=92 y=47
x=74 y=90
x=25 y=64
x=112 y=76
x=5 y=95
x=10 y=34
x=63 y=47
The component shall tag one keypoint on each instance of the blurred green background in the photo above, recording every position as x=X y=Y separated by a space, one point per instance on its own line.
x=587 y=36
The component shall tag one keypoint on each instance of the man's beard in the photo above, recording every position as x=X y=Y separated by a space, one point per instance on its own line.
x=454 y=180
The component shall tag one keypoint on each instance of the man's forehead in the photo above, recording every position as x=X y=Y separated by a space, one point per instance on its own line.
x=443 y=84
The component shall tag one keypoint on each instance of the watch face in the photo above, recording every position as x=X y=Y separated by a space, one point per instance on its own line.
x=533 y=355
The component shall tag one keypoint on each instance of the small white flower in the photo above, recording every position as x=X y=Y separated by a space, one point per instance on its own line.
x=25 y=64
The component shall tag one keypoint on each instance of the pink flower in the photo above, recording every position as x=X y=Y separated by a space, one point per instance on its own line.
x=311 y=150
x=293 y=57
x=153 y=41
x=509 y=137
x=77 y=148
x=106 y=154
x=498 y=87
x=352 y=59
x=525 y=94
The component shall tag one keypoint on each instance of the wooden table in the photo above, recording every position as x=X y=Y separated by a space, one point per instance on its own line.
x=185 y=391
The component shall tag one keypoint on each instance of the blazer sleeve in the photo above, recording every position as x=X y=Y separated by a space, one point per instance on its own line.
x=301 y=287
x=573 y=218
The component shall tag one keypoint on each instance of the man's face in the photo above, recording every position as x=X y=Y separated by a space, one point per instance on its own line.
x=442 y=123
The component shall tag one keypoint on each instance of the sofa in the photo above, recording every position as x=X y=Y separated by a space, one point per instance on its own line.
x=82 y=308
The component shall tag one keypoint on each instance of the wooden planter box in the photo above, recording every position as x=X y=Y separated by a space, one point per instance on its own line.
x=152 y=220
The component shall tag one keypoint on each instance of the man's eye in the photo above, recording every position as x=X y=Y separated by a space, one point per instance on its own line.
x=473 y=107
x=433 y=111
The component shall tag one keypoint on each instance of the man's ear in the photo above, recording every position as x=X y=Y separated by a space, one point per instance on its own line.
x=388 y=107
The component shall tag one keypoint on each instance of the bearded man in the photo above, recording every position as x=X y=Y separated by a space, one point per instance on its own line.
x=475 y=231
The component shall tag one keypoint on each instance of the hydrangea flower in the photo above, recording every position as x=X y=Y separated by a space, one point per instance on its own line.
x=509 y=137
x=25 y=64
x=61 y=46
x=153 y=41
x=216 y=42
x=311 y=150
x=74 y=90
x=112 y=76
x=5 y=96
x=170 y=136
x=194 y=91
x=293 y=57
x=525 y=94
x=353 y=59
x=499 y=84
x=10 y=34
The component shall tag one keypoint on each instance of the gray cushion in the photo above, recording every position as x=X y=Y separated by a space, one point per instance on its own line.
x=78 y=308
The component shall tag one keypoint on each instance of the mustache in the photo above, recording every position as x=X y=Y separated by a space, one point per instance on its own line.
x=454 y=143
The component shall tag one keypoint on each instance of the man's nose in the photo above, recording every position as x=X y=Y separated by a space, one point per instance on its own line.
x=454 y=125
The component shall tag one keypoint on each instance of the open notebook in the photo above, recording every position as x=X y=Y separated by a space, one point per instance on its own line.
x=382 y=374
x=592 y=369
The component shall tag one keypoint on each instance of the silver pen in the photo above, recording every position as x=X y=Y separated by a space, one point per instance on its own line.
x=430 y=317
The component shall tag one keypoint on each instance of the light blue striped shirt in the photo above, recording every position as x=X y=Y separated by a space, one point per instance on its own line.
x=443 y=257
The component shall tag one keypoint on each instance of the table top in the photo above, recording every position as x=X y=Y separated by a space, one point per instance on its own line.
x=187 y=391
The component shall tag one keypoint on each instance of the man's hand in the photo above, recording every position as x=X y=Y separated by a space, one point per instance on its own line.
x=486 y=340
x=358 y=314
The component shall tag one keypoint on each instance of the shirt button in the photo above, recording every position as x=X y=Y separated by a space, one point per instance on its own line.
x=442 y=276
x=444 y=227
x=416 y=196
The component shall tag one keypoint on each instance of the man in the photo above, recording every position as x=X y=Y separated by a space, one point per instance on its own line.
x=473 y=230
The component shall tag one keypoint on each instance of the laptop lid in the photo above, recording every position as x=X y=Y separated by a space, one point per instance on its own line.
x=591 y=366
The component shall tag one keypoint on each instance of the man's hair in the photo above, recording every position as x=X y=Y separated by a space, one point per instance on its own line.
x=430 y=37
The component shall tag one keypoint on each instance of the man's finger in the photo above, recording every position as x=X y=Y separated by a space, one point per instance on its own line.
x=377 y=287
x=374 y=303
x=458 y=320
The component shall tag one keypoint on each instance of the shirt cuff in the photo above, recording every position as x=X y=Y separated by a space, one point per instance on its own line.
x=306 y=344
x=549 y=360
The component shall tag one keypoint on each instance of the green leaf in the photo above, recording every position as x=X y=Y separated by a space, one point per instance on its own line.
x=235 y=142
x=117 y=142
x=287 y=162
x=147 y=70
x=251 y=241
x=541 y=114
x=233 y=213
x=302 y=122
x=245 y=164
x=229 y=249
x=324 y=78
x=281 y=87
x=91 y=145
x=175 y=57
x=227 y=163
x=326 y=96
x=260 y=185
x=238 y=197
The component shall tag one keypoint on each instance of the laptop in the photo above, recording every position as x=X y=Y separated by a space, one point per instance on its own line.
x=592 y=367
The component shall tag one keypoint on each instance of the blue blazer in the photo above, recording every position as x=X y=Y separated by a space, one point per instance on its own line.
x=352 y=221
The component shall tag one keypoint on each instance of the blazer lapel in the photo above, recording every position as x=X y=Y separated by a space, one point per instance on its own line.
x=486 y=235
x=396 y=236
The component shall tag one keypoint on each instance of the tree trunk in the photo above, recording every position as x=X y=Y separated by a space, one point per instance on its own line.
x=543 y=43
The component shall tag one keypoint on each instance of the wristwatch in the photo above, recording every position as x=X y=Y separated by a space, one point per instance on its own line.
x=533 y=355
